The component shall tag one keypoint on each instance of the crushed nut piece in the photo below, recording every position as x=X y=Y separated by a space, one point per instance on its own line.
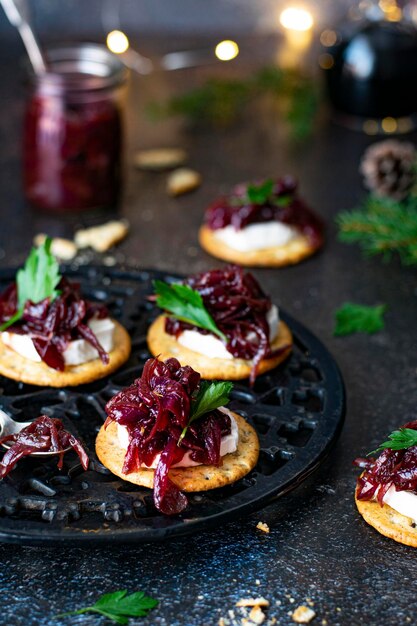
x=160 y=158
x=102 y=238
x=303 y=615
x=221 y=622
x=252 y=602
x=182 y=181
x=257 y=616
x=262 y=526
x=257 y=581
x=64 y=249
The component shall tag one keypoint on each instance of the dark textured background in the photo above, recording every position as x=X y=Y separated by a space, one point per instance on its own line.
x=318 y=547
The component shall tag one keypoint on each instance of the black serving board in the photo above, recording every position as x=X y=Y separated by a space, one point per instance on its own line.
x=297 y=409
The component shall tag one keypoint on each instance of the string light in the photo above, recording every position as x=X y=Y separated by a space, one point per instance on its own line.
x=226 y=50
x=294 y=18
x=117 y=42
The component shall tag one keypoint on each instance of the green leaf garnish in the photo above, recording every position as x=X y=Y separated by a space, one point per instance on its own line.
x=186 y=305
x=259 y=194
x=210 y=396
x=118 y=606
x=36 y=280
x=400 y=439
x=357 y=318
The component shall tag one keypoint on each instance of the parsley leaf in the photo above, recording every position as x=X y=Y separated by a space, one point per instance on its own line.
x=118 y=606
x=357 y=318
x=186 y=305
x=259 y=194
x=398 y=440
x=36 y=280
x=209 y=397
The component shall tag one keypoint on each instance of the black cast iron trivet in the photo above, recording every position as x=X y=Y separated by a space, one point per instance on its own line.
x=297 y=409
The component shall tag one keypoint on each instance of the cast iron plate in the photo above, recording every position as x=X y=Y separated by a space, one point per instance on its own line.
x=297 y=409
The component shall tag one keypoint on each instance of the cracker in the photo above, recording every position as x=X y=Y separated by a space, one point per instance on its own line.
x=15 y=366
x=388 y=522
x=164 y=346
x=182 y=181
x=289 y=254
x=159 y=159
x=199 y=478
x=103 y=237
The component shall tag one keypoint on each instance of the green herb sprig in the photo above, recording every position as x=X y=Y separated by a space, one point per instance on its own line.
x=36 y=280
x=357 y=318
x=400 y=439
x=263 y=193
x=382 y=226
x=118 y=606
x=210 y=396
x=186 y=305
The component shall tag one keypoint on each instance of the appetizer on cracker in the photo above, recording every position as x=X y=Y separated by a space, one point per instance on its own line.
x=221 y=323
x=170 y=431
x=386 y=491
x=265 y=225
x=49 y=334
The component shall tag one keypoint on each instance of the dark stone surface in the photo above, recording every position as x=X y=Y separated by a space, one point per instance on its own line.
x=318 y=546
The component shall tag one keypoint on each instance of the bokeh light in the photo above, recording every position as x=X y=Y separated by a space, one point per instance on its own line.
x=117 y=42
x=226 y=50
x=295 y=18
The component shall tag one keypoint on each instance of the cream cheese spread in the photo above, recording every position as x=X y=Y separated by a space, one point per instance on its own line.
x=77 y=352
x=257 y=236
x=228 y=443
x=212 y=347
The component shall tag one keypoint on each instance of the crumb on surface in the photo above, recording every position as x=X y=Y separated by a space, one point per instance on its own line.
x=182 y=181
x=257 y=616
x=303 y=615
x=64 y=249
x=160 y=158
x=262 y=526
x=252 y=602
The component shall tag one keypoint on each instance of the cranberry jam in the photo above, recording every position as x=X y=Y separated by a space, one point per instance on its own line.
x=283 y=205
x=73 y=132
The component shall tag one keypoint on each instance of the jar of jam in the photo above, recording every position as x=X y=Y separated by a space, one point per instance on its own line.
x=73 y=130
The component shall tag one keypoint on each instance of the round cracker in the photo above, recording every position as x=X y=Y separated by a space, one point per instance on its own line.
x=164 y=346
x=199 y=478
x=388 y=522
x=289 y=254
x=15 y=366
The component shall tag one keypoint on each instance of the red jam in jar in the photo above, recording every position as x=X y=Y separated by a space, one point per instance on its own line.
x=73 y=131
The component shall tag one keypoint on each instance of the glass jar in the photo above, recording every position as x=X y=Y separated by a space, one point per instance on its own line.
x=73 y=130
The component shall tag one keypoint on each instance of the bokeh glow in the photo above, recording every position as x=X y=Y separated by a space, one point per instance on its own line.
x=226 y=50
x=117 y=42
x=295 y=18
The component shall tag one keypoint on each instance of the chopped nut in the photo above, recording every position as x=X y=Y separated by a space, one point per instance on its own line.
x=103 y=237
x=221 y=622
x=182 y=181
x=303 y=615
x=64 y=249
x=252 y=602
x=262 y=526
x=160 y=158
x=257 y=616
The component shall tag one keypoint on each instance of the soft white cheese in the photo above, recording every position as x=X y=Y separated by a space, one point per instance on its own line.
x=211 y=346
x=404 y=502
x=228 y=443
x=77 y=352
x=257 y=236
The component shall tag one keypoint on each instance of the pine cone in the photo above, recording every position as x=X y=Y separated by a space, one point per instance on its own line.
x=388 y=168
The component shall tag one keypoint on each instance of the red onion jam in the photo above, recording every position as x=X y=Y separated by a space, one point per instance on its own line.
x=237 y=211
x=53 y=325
x=396 y=468
x=239 y=307
x=155 y=409
x=45 y=434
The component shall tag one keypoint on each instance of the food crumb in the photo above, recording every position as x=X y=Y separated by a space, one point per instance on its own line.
x=291 y=600
x=222 y=622
x=200 y=597
x=102 y=238
x=324 y=622
x=257 y=616
x=303 y=615
x=257 y=581
x=158 y=159
x=64 y=249
x=252 y=602
x=262 y=526
x=182 y=181
x=231 y=614
x=338 y=609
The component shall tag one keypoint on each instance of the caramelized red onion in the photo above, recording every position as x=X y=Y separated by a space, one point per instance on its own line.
x=155 y=409
x=52 y=325
x=239 y=307
x=45 y=434
x=234 y=210
x=396 y=468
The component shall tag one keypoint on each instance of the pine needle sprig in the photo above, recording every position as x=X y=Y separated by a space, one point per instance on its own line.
x=383 y=226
